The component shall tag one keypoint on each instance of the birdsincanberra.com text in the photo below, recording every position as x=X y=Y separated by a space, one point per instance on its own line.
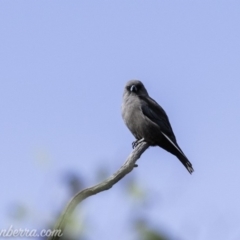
x=24 y=232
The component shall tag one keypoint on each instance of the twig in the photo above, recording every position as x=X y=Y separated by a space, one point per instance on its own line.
x=126 y=168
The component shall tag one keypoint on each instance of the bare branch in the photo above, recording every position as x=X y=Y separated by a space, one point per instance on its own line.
x=126 y=168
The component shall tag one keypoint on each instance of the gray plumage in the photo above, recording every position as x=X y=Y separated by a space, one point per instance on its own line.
x=148 y=122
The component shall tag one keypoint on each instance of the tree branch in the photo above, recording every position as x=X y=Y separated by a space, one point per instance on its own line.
x=126 y=168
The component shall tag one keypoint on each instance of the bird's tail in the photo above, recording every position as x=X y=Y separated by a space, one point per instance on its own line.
x=177 y=151
x=185 y=162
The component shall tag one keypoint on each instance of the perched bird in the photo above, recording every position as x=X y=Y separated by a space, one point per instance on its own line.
x=148 y=122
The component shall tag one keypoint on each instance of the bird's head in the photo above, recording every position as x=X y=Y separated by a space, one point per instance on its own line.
x=135 y=87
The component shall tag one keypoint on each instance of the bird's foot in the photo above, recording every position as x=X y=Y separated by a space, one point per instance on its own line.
x=134 y=144
x=137 y=142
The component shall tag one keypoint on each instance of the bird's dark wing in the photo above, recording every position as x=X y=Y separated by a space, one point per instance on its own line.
x=155 y=113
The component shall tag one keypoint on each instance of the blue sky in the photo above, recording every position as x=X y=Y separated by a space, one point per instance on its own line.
x=64 y=65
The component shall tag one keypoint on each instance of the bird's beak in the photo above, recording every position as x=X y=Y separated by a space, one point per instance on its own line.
x=133 y=88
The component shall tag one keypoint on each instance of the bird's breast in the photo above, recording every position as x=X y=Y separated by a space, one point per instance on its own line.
x=138 y=123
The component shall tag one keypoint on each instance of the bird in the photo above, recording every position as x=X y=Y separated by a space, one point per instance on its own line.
x=148 y=122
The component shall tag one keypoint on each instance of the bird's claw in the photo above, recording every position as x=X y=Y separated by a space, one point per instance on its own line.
x=134 y=144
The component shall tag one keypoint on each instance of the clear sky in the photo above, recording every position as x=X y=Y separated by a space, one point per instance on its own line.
x=63 y=67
